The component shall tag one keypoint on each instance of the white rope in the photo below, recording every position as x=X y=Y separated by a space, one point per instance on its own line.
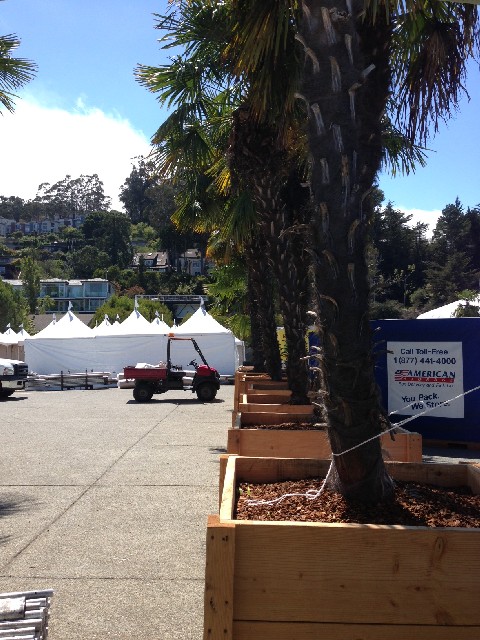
x=313 y=495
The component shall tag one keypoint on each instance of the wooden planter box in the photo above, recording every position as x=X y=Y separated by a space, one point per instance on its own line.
x=312 y=581
x=407 y=446
x=245 y=381
x=267 y=413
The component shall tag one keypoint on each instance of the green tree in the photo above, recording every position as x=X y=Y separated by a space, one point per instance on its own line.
x=13 y=308
x=228 y=292
x=451 y=265
x=11 y=208
x=14 y=72
x=134 y=192
x=87 y=260
x=401 y=254
x=109 y=231
x=471 y=308
x=451 y=233
x=30 y=276
x=69 y=197
x=143 y=234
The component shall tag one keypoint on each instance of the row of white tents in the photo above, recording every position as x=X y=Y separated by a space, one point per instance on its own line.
x=70 y=345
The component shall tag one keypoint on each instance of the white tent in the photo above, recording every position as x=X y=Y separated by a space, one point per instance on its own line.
x=159 y=324
x=217 y=343
x=448 y=310
x=9 y=337
x=103 y=328
x=69 y=345
x=134 y=324
x=22 y=334
x=69 y=326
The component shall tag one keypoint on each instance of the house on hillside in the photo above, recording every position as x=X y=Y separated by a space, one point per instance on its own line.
x=6 y=226
x=193 y=262
x=155 y=261
x=86 y=296
x=9 y=267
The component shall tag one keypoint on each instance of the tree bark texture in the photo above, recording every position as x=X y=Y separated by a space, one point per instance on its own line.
x=262 y=305
x=346 y=83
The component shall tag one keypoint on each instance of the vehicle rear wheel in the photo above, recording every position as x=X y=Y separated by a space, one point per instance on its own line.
x=6 y=393
x=143 y=391
x=206 y=392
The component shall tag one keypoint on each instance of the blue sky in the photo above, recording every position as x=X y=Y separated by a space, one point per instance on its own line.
x=85 y=113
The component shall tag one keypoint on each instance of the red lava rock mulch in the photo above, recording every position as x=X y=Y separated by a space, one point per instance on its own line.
x=414 y=505
x=288 y=426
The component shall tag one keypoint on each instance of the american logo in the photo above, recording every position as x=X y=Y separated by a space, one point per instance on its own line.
x=409 y=375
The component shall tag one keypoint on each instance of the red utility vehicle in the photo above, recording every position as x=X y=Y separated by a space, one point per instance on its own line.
x=205 y=382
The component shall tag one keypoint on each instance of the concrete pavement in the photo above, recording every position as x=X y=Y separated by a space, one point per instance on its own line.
x=105 y=501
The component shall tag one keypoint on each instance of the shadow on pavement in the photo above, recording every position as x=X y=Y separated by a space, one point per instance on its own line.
x=10 y=506
x=177 y=401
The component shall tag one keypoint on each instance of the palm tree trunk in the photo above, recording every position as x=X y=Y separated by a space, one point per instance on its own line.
x=258 y=359
x=346 y=97
x=288 y=255
x=264 y=307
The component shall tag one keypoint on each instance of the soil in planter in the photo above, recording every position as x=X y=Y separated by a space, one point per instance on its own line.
x=414 y=505
x=288 y=426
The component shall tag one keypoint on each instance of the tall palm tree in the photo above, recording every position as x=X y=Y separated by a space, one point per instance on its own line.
x=14 y=72
x=363 y=53
x=248 y=173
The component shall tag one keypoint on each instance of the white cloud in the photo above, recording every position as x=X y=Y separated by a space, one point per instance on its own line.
x=422 y=215
x=44 y=144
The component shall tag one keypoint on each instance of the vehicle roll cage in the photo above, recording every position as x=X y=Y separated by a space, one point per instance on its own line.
x=193 y=341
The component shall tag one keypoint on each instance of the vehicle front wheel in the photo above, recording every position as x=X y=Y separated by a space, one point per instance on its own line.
x=6 y=393
x=206 y=392
x=142 y=391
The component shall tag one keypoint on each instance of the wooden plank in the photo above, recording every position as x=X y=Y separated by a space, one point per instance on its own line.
x=250 y=407
x=265 y=384
x=442 y=475
x=406 y=447
x=278 y=443
x=223 y=467
x=227 y=504
x=281 y=396
x=259 y=418
x=277 y=469
x=394 y=575
x=310 y=631
x=218 y=603
x=473 y=471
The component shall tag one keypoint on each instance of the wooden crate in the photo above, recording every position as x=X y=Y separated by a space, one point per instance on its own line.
x=285 y=580
x=278 y=443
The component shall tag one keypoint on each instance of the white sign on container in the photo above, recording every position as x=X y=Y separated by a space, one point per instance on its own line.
x=423 y=375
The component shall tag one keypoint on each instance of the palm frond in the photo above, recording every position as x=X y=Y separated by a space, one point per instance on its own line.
x=14 y=72
x=400 y=154
x=432 y=46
